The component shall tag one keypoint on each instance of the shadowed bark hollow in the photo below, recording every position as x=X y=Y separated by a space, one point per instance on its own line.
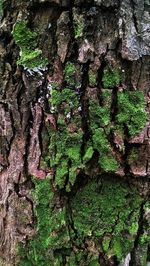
x=74 y=132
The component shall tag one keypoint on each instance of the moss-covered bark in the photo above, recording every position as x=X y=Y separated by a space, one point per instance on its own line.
x=74 y=143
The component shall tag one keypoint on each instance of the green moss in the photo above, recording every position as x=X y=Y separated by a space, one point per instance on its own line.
x=133 y=228
x=100 y=128
x=61 y=173
x=30 y=55
x=144 y=239
x=92 y=78
x=52 y=232
x=111 y=78
x=1 y=8
x=133 y=155
x=88 y=154
x=105 y=207
x=100 y=115
x=131 y=111
x=118 y=248
x=94 y=262
x=69 y=73
x=131 y=115
x=78 y=24
x=65 y=143
x=106 y=243
x=108 y=163
x=23 y=36
x=145 y=236
x=32 y=59
x=66 y=95
x=100 y=143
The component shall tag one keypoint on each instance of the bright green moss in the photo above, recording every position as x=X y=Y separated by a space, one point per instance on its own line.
x=23 y=36
x=65 y=143
x=131 y=115
x=108 y=163
x=52 y=232
x=118 y=247
x=30 y=56
x=32 y=59
x=100 y=141
x=88 y=154
x=113 y=207
x=131 y=111
x=144 y=238
x=133 y=228
x=69 y=73
x=74 y=154
x=100 y=128
x=66 y=95
x=61 y=173
x=100 y=115
x=106 y=243
x=78 y=24
x=111 y=78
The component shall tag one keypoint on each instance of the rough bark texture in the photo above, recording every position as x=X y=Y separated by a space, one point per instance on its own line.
x=75 y=132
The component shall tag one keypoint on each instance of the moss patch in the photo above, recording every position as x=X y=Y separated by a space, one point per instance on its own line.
x=111 y=78
x=78 y=23
x=110 y=212
x=65 y=142
x=131 y=111
x=52 y=232
x=69 y=74
x=100 y=129
x=30 y=55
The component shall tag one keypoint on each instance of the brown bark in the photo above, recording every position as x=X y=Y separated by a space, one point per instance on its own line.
x=94 y=35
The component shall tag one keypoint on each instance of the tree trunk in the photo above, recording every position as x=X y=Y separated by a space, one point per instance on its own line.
x=74 y=132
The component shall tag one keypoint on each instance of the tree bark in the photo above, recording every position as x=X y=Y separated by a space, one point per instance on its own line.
x=74 y=132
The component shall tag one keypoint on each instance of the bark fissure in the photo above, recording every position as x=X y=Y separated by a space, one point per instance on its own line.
x=74 y=132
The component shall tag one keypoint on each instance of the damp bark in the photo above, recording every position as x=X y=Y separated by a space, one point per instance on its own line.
x=74 y=133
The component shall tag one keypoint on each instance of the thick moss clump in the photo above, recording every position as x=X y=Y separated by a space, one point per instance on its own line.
x=52 y=232
x=69 y=74
x=131 y=111
x=108 y=214
x=100 y=129
x=111 y=78
x=30 y=55
x=66 y=141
